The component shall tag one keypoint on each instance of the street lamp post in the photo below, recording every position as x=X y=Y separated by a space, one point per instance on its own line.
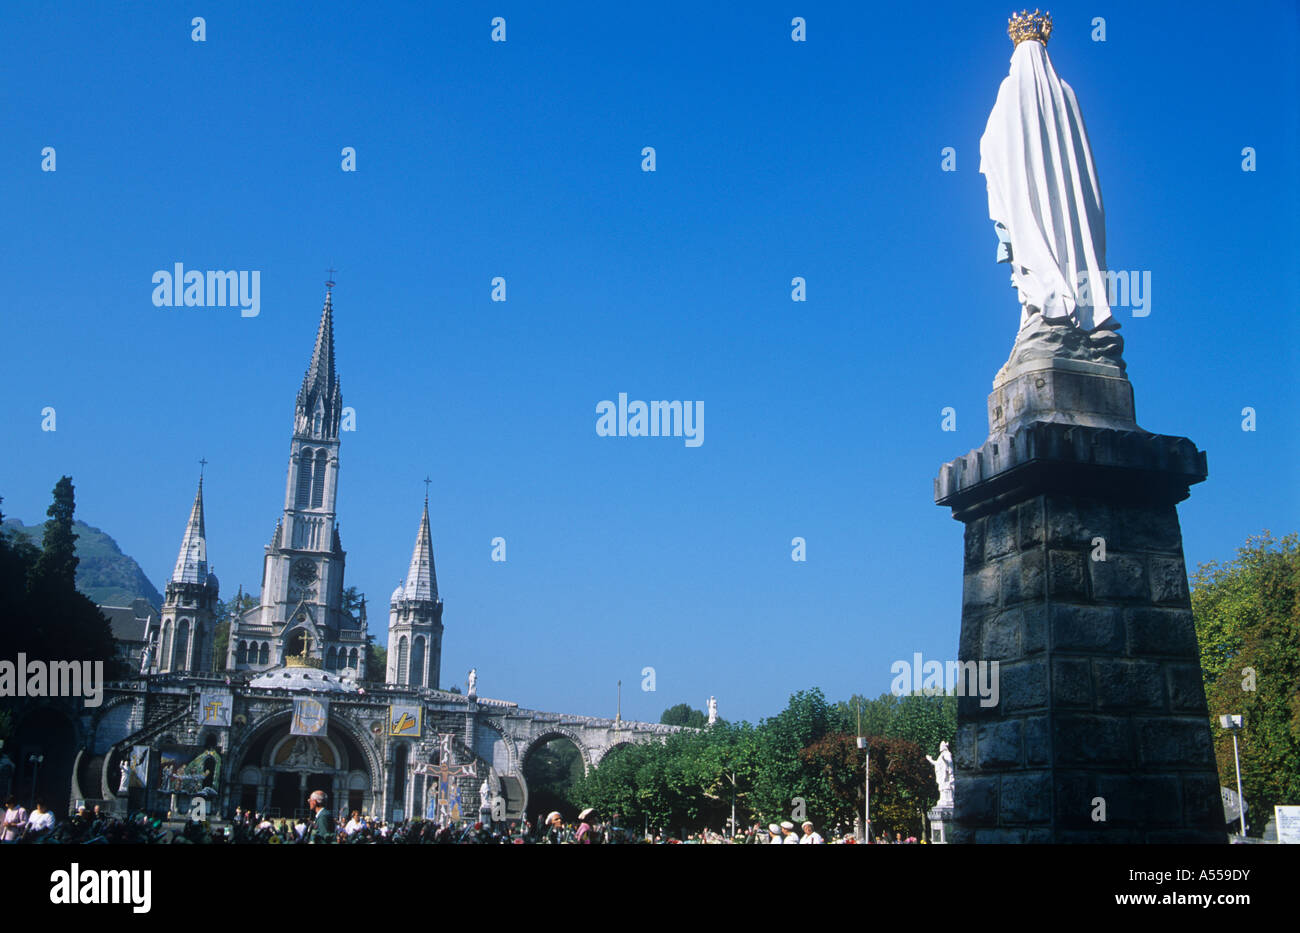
x=1233 y=724
x=732 y=778
x=866 y=771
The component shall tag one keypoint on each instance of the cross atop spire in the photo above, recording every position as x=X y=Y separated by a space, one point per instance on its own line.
x=427 y=481
x=202 y=463
x=329 y=280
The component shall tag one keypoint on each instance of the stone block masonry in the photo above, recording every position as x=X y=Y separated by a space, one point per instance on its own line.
x=1074 y=581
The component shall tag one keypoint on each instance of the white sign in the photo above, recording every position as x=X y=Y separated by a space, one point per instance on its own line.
x=1288 y=825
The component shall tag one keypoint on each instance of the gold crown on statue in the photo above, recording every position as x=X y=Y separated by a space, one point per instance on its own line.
x=1025 y=25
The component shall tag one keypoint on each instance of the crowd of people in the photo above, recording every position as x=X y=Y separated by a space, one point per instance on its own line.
x=91 y=825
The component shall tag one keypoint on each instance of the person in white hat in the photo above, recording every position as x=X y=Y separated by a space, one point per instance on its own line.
x=809 y=837
x=555 y=833
x=791 y=837
x=774 y=834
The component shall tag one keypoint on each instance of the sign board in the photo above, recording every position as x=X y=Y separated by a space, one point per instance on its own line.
x=1288 y=825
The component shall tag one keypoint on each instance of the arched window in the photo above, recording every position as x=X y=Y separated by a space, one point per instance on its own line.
x=199 y=653
x=402 y=650
x=264 y=654
x=165 y=656
x=241 y=653
x=318 y=479
x=352 y=658
x=417 y=663
x=317 y=419
x=331 y=659
x=180 y=659
x=302 y=497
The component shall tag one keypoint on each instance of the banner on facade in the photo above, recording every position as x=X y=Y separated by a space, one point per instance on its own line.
x=310 y=716
x=139 y=766
x=184 y=769
x=215 y=707
x=406 y=721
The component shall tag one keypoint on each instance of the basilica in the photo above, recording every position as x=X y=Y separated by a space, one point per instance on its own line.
x=291 y=705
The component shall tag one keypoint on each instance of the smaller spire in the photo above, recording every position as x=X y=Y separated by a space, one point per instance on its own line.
x=421 y=578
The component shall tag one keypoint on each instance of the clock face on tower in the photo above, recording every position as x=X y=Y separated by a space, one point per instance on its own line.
x=301 y=577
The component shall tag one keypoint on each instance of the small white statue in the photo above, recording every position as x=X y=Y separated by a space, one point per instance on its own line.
x=124 y=784
x=713 y=710
x=473 y=681
x=943 y=774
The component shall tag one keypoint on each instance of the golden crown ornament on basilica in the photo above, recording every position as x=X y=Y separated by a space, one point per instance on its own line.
x=1025 y=25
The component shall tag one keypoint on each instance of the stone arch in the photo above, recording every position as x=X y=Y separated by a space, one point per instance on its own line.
x=544 y=734
x=52 y=730
x=371 y=761
x=512 y=746
x=541 y=737
x=603 y=752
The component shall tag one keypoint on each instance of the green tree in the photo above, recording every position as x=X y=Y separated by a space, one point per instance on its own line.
x=552 y=771
x=376 y=664
x=1247 y=615
x=44 y=615
x=924 y=719
x=221 y=634
x=57 y=566
x=684 y=715
x=782 y=776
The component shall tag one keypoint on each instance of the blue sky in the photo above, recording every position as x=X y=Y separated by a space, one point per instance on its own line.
x=478 y=159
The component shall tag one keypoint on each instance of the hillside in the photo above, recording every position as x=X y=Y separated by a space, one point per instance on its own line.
x=104 y=573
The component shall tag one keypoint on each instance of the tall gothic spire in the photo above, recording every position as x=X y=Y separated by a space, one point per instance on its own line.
x=320 y=385
x=192 y=562
x=421 y=578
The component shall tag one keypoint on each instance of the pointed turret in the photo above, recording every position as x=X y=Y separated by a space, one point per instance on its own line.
x=415 y=618
x=189 y=601
x=192 y=562
x=421 y=578
x=320 y=400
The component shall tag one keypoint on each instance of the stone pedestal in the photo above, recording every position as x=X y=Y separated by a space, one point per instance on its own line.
x=940 y=824
x=1075 y=583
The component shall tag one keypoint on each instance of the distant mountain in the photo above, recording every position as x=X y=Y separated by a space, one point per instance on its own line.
x=105 y=574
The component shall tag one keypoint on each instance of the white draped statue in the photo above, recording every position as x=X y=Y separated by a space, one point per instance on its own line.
x=944 y=776
x=1043 y=190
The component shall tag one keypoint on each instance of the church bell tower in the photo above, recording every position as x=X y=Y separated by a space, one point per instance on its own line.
x=415 y=618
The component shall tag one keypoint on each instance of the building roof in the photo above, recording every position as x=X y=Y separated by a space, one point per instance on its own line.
x=130 y=623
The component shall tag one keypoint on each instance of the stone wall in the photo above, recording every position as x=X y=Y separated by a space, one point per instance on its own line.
x=1101 y=703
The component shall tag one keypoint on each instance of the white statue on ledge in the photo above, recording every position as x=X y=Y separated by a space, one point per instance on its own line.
x=943 y=775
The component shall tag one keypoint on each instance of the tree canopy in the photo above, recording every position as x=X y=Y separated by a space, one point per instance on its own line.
x=804 y=761
x=1247 y=616
x=41 y=612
